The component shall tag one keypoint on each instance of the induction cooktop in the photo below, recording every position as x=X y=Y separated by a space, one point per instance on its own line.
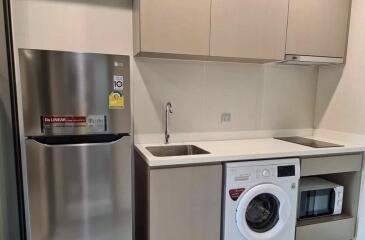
x=309 y=142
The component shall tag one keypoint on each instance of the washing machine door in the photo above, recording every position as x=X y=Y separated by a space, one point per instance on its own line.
x=263 y=212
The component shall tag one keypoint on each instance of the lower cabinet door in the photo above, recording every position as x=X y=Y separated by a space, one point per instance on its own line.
x=339 y=229
x=185 y=203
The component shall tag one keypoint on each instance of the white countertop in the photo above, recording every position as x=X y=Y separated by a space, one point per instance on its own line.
x=251 y=149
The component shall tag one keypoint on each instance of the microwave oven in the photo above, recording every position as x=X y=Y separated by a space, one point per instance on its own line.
x=319 y=197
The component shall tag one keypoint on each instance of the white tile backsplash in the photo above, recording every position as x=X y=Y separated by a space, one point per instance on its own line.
x=289 y=97
x=232 y=88
x=258 y=97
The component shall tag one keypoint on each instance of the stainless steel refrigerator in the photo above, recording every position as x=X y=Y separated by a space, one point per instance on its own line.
x=77 y=123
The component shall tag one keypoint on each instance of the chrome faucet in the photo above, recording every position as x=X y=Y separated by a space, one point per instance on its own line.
x=168 y=111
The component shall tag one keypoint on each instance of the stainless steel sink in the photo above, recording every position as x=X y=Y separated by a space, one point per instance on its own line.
x=176 y=150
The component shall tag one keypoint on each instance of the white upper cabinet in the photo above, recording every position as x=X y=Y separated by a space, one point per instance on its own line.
x=172 y=27
x=318 y=27
x=249 y=29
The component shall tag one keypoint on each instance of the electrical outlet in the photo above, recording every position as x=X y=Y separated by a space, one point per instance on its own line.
x=225 y=117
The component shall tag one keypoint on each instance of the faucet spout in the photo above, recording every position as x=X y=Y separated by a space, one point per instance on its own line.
x=168 y=111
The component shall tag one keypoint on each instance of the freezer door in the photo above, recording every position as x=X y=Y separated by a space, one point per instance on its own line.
x=65 y=93
x=80 y=191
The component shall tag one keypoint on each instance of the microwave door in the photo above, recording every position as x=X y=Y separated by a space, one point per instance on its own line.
x=80 y=191
x=317 y=203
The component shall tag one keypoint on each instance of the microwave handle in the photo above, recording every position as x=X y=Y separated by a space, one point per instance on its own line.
x=337 y=208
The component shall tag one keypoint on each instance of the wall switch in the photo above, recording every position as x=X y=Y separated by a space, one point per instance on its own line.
x=225 y=117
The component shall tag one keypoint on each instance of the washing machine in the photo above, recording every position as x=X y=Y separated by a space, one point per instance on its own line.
x=260 y=199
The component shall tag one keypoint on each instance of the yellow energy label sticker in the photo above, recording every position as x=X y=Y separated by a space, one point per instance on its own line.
x=116 y=100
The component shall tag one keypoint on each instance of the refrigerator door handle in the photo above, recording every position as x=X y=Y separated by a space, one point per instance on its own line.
x=96 y=139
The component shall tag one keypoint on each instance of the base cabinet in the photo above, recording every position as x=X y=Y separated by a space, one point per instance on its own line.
x=179 y=203
x=337 y=228
x=345 y=170
x=185 y=203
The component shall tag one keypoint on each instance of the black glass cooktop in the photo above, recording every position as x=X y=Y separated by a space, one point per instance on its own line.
x=309 y=142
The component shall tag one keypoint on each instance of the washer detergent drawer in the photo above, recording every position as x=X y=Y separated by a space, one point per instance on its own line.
x=80 y=191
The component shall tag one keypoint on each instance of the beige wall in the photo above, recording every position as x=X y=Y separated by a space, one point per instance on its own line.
x=77 y=25
x=257 y=96
x=340 y=97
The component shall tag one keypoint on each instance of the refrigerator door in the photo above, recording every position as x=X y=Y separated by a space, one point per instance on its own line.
x=80 y=191
x=65 y=93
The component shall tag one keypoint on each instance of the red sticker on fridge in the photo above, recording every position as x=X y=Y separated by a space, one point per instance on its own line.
x=66 y=125
x=68 y=119
x=236 y=193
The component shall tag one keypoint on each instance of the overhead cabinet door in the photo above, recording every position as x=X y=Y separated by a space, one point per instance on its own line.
x=174 y=27
x=251 y=29
x=318 y=27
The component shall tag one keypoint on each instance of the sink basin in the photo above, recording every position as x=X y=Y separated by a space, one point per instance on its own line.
x=176 y=150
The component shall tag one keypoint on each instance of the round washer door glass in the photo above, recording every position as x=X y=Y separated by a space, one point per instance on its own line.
x=262 y=213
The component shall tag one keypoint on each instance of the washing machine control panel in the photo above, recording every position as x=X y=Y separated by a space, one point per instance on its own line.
x=276 y=171
x=266 y=172
x=263 y=173
x=243 y=175
x=286 y=171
